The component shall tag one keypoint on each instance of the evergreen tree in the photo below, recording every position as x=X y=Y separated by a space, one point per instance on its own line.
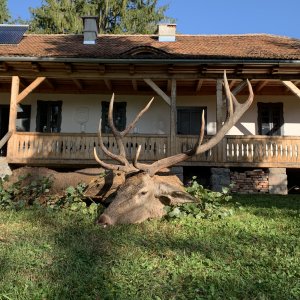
x=116 y=16
x=4 y=13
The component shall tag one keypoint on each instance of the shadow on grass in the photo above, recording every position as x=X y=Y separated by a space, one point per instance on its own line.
x=160 y=260
x=290 y=202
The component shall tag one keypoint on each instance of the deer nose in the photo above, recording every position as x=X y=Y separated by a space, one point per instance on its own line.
x=104 y=220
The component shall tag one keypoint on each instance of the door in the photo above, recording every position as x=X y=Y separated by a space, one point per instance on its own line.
x=270 y=118
x=48 y=117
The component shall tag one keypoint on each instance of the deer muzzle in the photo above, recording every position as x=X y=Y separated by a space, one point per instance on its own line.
x=104 y=220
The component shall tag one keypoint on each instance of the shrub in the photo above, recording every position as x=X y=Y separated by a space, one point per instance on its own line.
x=18 y=195
x=208 y=204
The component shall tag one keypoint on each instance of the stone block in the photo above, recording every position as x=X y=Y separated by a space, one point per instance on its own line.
x=278 y=190
x=278 y=179
x=277 y=171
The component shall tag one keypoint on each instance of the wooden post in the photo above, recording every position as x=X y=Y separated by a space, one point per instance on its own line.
x=173 y=117
x=219 y=116
x=15 y=84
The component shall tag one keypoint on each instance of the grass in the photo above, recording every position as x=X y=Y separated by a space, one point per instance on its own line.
x=254 y=254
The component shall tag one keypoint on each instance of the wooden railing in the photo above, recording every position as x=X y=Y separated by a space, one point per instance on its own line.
x=262 y=150
x=70 y=148
x=65 y=148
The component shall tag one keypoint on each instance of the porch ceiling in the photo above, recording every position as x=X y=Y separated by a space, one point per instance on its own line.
x=191 y=78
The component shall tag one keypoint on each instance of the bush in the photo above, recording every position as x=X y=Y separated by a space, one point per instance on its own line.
x=18 y=195
x=209 y=204
x=37 y=193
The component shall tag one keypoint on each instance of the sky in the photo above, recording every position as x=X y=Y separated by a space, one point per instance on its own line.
x=280 y=17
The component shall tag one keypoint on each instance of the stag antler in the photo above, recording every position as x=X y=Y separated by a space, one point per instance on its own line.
x=235 y=110
x=121 y=157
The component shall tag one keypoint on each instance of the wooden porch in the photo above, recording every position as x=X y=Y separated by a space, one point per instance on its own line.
x=76 y=149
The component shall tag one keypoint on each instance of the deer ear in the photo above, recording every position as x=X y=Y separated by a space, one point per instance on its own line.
x=170 y=195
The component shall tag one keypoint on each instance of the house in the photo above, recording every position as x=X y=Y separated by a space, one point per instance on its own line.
x=55 y=88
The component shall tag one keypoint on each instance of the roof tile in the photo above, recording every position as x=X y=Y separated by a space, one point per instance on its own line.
x=249 y=46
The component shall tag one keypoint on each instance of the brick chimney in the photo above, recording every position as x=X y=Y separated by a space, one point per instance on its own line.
x=90 y=29
x=167 y=32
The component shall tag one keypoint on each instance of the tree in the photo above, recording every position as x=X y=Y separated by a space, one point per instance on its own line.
x=116 y=16
x=4 y=13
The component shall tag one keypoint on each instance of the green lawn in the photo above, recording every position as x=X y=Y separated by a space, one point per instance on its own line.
x=254 y=254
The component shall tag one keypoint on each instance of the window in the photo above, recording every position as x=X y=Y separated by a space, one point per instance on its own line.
x=23 y=117
x=189 y=120
x=119 y=116
x=270 y=118
x=48 y=117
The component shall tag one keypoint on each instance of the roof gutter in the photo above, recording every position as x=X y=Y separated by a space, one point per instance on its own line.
x=148 y=61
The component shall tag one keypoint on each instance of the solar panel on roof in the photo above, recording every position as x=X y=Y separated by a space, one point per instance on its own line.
x=12 y=34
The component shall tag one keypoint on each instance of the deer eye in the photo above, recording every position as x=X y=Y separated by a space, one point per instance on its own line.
x=143 y=193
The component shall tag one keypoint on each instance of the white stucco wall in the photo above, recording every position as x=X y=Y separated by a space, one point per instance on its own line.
x=157 y=118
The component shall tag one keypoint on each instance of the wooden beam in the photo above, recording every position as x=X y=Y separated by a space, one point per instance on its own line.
x=135 y=85
x=232 y=83
x=260 y=85
x=199 y=85
x=239 y=87
x=102 y=69
x=5 y=139
x=50 y=83
x=132 y=69
x=108 y=84
x=3 y=66
x=30 y=88
x=169 y=85
x=173 y=117
x=15 y=85
x=292 y=87
x=297 y=82
x=78 y=84
x=157 y=89
x=36 y=66
x=23 y=83
x=69 y=67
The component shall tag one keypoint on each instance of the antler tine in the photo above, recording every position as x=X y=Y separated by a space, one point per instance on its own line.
x=126 y=169
x=110 y=116
x=105 y=150
x=233 y=116
x=172 y=160
x=121 y=157
x=116 y=133
x=136 y=164
x=133 y=123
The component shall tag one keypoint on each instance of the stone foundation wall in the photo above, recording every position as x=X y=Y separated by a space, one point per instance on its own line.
x=250 y=182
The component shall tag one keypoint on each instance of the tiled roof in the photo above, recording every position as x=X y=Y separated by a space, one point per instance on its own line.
x=250 y=46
